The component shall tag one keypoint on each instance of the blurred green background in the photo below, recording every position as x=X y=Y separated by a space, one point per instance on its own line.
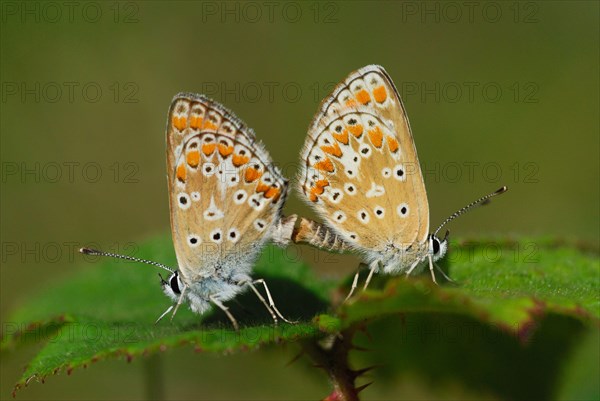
x=497 y=93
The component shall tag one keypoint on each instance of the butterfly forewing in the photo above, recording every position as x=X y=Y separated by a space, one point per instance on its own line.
x=360 y=166
x=225 y=193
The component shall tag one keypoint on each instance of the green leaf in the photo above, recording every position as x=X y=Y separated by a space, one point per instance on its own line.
x=109 y=308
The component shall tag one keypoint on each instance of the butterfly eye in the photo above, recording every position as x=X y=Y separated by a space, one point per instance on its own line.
x=435 y=244
x=174 y=283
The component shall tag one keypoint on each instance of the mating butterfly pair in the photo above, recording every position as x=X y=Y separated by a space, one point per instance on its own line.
x=360 y=172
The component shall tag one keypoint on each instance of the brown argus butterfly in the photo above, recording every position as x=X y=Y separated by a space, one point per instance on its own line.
x=360 y=172
x=226 y=198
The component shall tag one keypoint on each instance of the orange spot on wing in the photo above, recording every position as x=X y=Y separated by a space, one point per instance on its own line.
x=356 y=130
x=317 y=190
x=225 y=150
x=179 y=122
x=393 y=144
x=251 y=174
x=208 y=148
x=380 y=94
x=322 y=183
x=262 y=187
x=195 y=122
x=376 y=137
x=312 y=197
x=181 y=172
x=272 y=193
x=351 y=103
x=363 y=96
x=342 y=137
x=324 y=165
x=210 y=125
x=193 y=158
x=239 y=160
x=332 y=150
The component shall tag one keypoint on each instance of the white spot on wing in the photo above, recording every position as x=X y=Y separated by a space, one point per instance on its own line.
x=183 y=201
x=260 y=224
x=193 y=240
x=335 y=195
x=350 y=188
x=399 y=172
x=403 y=210
x=216 y=235
x=213 y=212
x=339 y=216
x=240 y=196
x=363 y=216
x=376 y=190
x=233 y=235
x=379 y=212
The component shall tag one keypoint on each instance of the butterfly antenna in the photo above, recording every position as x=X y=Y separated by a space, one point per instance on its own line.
x=95 y=252
x=479 y=202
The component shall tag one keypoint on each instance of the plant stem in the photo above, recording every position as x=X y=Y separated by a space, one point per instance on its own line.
x=153 y=377
x=331 y=354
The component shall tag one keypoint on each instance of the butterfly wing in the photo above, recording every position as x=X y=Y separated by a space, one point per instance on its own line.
x=225 y=193
x=360 y=169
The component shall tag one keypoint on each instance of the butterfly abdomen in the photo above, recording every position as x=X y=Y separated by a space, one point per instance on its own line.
x=318 y=235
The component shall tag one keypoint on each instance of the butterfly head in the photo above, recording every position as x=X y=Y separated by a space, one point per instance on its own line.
x=438 y=247
x=172 y=286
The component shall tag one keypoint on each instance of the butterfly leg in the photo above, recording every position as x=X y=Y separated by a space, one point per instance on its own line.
x=271 y=302
x=443 y=274
x=354 y=283
x=412 y=267
x=431 y=269
x=225 y=309
x=164 y=314
x=179 y=301
x=373 y=267
x=262 y=299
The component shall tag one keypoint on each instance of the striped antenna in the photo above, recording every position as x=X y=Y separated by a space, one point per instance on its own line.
x=95 y=252
x=479 y=202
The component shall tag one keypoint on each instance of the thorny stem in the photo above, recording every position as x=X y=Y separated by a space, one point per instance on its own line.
x=331 y=354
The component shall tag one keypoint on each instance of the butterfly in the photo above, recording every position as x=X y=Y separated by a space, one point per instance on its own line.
x=225 y=197
x=360 y=172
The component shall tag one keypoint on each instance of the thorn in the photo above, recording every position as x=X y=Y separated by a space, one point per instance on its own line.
x=364 y=386
x=360 y=372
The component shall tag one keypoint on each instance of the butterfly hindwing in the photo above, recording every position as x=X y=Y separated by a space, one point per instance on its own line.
x=360 y=166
